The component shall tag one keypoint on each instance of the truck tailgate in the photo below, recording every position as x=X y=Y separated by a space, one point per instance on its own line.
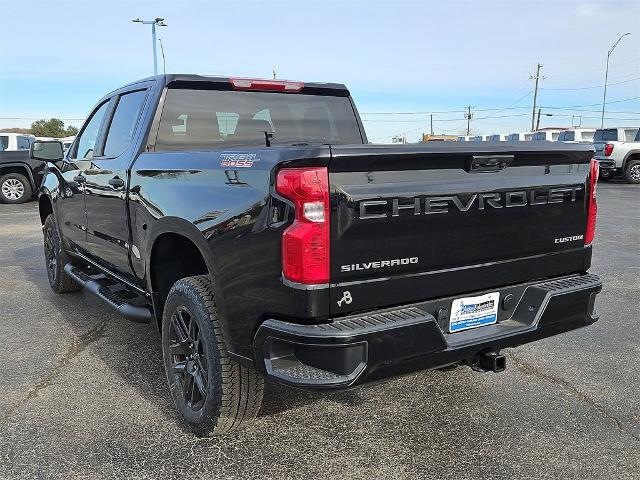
x=453 y=217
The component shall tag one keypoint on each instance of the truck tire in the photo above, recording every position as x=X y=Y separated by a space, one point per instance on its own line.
x=632 y=171
x=56 y=258
x=213 y=393
x=15 y=188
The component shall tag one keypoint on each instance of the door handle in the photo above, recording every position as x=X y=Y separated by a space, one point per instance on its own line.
x=116 y=182
x=79 y=179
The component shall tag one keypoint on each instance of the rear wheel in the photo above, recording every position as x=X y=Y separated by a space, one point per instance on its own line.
x=56 y=258
x=213 y=393
x=632 y=171
x=15 y=188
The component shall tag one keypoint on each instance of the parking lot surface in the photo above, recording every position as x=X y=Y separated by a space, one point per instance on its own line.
x=83 y=392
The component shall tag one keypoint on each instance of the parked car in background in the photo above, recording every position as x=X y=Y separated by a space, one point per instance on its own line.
x=618 y=152
x=20 y=176
x=465 y=138
x=550 y=135
x=15 y=141
x=520 y=137
x=479 y=138
x=578 y=135
x=497 y=137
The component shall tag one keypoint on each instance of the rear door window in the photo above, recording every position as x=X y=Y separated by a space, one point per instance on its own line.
x=24 y=143
x=4 y=140
x=630 y=134
x=606 y=135
x=213 y=119
x=123 y=123
x=567 y=136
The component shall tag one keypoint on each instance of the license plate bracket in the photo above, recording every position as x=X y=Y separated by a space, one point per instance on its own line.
x=474 y=312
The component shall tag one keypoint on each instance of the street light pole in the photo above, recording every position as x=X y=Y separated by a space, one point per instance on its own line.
x=606 y=76
x=160 y=23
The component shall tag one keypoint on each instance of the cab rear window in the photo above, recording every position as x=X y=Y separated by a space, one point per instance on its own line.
x=214 y=119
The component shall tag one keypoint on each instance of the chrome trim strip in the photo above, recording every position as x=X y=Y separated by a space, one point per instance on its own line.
x=303 y=286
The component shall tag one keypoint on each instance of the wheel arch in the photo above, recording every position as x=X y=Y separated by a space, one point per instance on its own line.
x=21 y=168
x=45 y=207
x=177 y=249
x=633 y=155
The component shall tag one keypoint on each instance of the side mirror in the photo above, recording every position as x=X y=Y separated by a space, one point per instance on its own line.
x=46 y=150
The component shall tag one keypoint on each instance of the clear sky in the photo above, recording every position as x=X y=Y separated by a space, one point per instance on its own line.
x=58 y=57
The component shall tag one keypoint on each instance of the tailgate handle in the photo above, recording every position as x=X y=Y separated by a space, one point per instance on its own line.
x=489 y=163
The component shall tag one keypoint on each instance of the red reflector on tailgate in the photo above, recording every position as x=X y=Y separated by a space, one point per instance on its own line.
x=594 y=171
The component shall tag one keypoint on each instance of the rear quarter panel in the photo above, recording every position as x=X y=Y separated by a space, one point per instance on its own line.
x=225 y=212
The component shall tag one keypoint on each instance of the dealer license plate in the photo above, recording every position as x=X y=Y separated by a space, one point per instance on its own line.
x=473 y=312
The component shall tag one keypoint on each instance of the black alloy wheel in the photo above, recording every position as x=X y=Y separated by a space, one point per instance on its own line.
x=188 y=359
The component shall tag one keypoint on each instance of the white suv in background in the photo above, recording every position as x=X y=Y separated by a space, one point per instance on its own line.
x=618 y=152
x=15 y=141
x=577 y=135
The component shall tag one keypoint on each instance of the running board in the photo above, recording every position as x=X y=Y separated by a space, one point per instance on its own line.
x=120 y=299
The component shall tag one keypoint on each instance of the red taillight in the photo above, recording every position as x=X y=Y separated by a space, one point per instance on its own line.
x=594 y=171
x=269 y=85
x=608 y=149
x=305 y=243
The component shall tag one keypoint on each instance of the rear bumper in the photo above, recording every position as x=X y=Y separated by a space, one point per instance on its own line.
x=388 y=342
x=605 y=163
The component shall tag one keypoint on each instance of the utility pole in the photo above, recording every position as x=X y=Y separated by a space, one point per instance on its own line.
x=535 y=96
x=164 y=62
x=538 y=122
x=432 y=124
x=468 y=115
x=606 y=76
x=274 y=73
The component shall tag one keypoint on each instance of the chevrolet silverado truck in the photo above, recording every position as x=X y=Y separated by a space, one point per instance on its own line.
x=618 y=153
x=254 y=225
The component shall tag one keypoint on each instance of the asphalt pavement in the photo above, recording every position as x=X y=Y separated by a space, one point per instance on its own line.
x=83 y=392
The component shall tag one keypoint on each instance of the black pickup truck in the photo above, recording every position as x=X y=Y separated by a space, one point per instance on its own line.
x=254 y=224
x=20 y=176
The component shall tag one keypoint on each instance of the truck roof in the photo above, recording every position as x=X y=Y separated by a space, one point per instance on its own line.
x=188 y=80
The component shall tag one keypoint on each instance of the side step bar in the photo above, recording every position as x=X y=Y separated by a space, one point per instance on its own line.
x=102 y=288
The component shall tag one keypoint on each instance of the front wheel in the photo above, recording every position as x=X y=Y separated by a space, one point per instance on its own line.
x=632 y=171
x=56 y=258
x=213 y=393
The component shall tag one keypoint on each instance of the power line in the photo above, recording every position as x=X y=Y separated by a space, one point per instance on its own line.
x=593 y=87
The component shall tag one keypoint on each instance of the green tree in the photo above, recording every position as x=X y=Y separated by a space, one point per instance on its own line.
x=53 y=127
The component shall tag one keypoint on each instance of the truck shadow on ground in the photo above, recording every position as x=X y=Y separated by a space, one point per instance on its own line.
x=133 y=351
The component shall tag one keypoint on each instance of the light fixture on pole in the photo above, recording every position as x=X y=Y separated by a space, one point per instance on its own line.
x=606 y=76
x=160 y=23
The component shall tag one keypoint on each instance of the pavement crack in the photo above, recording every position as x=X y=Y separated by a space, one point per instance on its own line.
x=530 y=369
x=78 y=345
